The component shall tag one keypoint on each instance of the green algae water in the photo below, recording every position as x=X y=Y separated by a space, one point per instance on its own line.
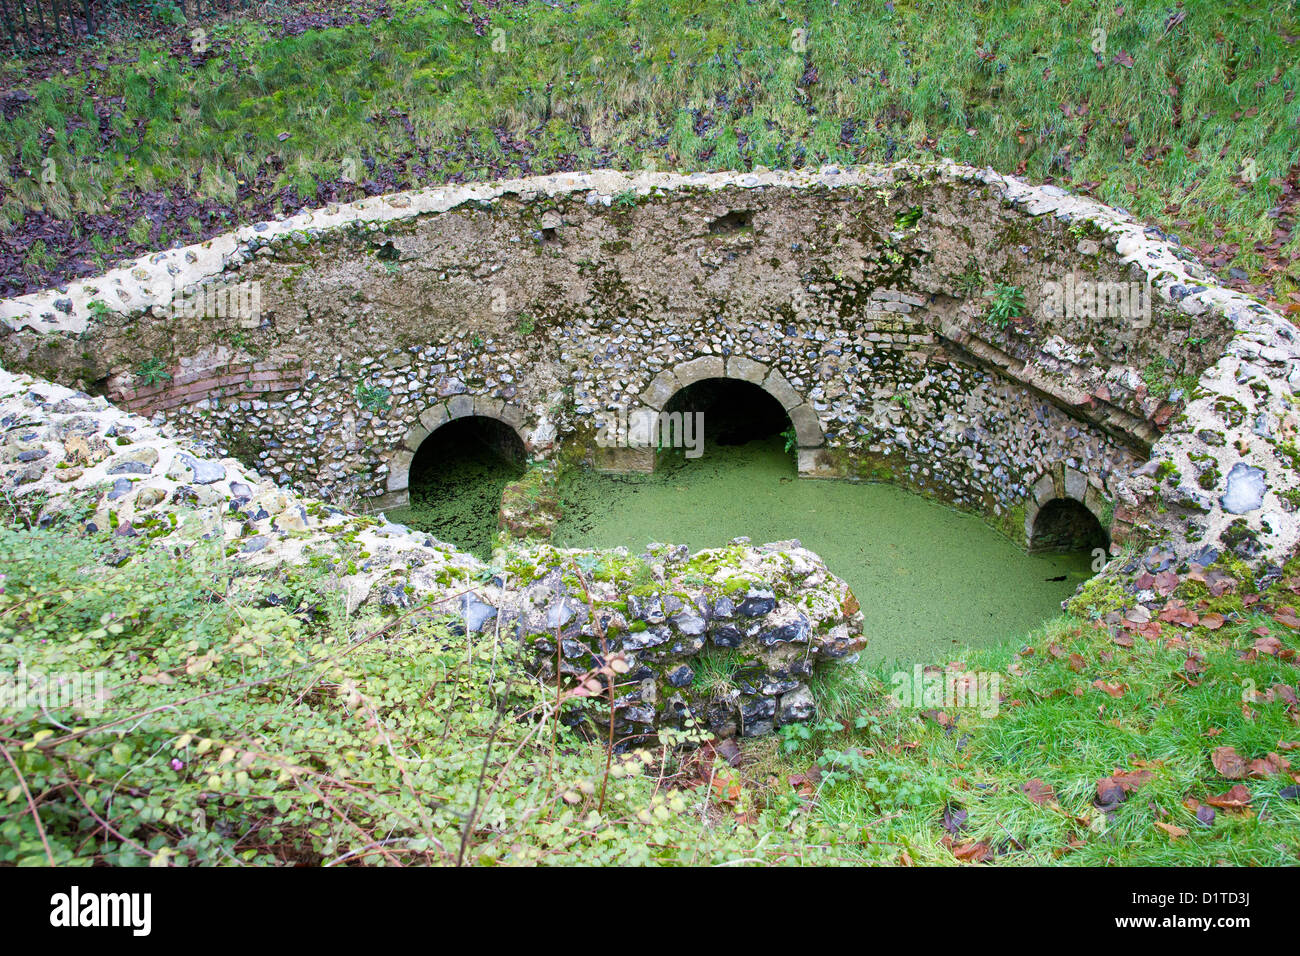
x=459 y=500
x=930 y=580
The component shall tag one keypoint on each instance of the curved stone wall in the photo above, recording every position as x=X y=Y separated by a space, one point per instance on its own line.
x=771 y=614
x=922 y=324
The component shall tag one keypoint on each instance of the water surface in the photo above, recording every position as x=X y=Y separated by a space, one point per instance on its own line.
x=930 y=580
x=458 y=500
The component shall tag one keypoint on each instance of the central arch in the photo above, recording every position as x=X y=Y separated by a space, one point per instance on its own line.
x=727 y=411
x=396 y=492
x=810 y=438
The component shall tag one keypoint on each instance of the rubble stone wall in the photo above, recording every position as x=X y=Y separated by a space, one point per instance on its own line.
x=951 y=329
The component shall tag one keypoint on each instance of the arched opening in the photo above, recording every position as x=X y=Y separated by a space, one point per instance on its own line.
x=1064 y=524
x=457 y=479
x=721 y=413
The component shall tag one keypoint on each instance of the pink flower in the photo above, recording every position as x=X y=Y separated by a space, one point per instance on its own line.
x=177 y=764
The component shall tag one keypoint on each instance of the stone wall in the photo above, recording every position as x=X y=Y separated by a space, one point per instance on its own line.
x=764 y=618
x=859 y=298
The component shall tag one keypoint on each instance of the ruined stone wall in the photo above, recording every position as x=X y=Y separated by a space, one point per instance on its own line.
x=764 y=618
x=861 y=299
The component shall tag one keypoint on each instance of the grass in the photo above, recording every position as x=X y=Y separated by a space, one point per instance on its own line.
x=300 y=732
x=715 y=674
x=419 y=97
x=1056 y=726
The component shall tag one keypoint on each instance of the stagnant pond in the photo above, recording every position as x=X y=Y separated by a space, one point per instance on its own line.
x=930 y=580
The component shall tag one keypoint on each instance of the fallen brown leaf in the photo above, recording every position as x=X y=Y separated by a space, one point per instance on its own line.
x=970 y=852
x=1175 y=613
x=1238 y=798
x=1228 y=762
x=1037 y=791
x=1115 y=690
x=1132 y=779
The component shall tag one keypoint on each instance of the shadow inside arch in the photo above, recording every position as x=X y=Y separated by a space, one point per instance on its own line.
x=457 y=479
x=730 y=411
x=1064 y=525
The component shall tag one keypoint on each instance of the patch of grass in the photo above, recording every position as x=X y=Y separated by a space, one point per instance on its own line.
x=970 y=282
x=715 y=675
x=375 y=398
x=1018 y=88
x=1162 y=379
x=1076 y=708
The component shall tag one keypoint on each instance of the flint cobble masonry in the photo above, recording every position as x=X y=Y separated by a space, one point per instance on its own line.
x=860 y=298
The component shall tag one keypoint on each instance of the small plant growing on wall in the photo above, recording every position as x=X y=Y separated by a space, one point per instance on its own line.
x=715 y=675
x=791 y=440
x=969 y=282
x=626 y=199
x=152 y=371
x=1161 y=379
x=1008 y=303
x=374 y=398
x=908 y=218
x=526 y=325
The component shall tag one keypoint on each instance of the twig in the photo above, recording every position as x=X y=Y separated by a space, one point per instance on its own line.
x=22 y=781
x=609 y=681
x=478 y=789
x=108 y=828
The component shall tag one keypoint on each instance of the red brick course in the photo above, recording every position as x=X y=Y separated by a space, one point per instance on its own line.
x=235 y=382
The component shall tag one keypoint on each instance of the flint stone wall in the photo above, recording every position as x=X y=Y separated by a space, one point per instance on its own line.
x=854 y=296
x=766 y=616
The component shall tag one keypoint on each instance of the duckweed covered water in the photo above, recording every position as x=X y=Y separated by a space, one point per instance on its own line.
x=930 y=580
x=459 y=500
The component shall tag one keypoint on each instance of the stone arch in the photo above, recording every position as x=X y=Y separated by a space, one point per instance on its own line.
x=397 y=490
x=1054 y=492
x=807 y=426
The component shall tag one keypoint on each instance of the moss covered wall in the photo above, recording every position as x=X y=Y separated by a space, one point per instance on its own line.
x=913 y=311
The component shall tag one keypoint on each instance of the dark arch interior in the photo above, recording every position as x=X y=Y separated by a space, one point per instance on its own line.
x=735 y=412
x=457 y=478
x=1064 y=524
